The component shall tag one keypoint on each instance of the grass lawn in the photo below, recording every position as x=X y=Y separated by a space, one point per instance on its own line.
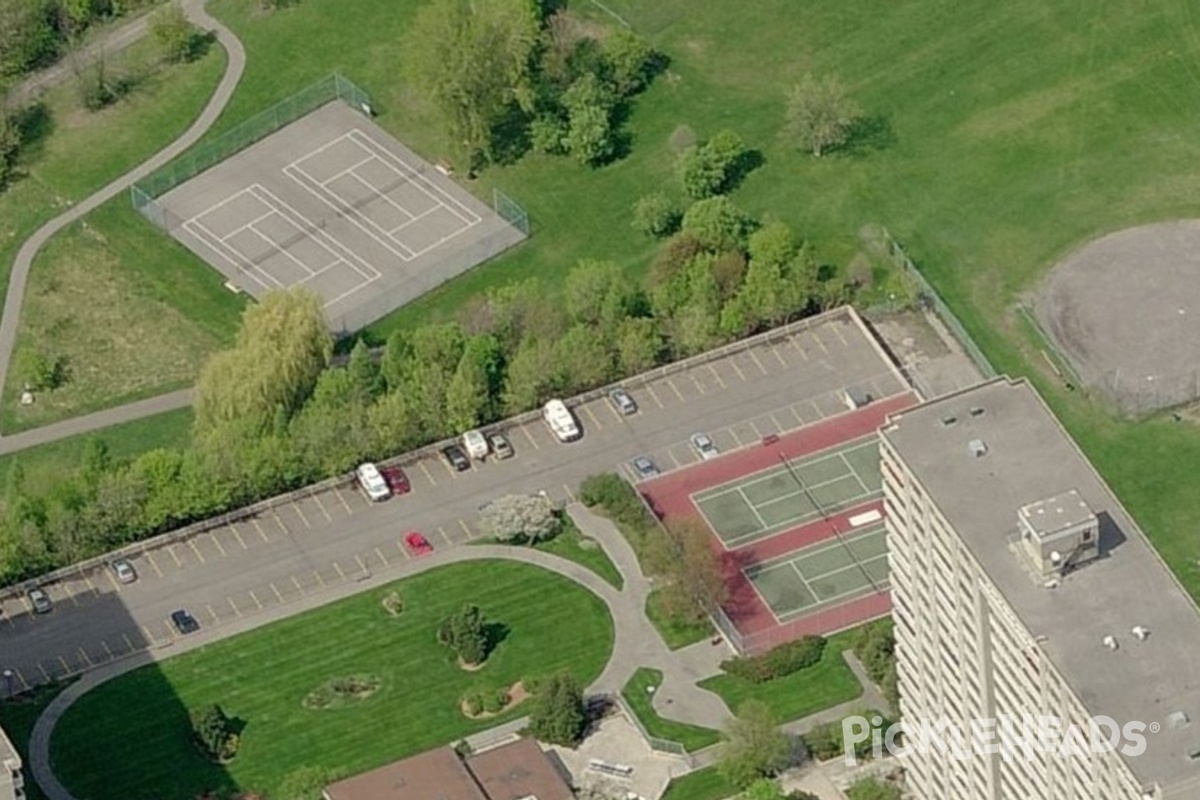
x=675 y=633
x=703 y=784
x=111 y=295
x=262 y=677
x=637 y=693
x=17 y=718
x=827 y=683
x=573 y=545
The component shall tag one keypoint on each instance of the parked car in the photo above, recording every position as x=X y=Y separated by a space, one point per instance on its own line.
x=456 y=458
x=396 y=480
x=184 y=622
x=561 y=421
x=417 y=544
x=500 y=445
x=123 y=570
x=704 y=446
x=372 y=482
x=644 y=467
x=475 y=444
x=623 y=401
x=39 y=600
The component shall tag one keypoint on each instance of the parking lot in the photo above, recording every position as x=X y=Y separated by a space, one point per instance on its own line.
x=336 y=537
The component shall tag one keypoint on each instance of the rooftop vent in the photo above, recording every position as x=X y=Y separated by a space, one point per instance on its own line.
x=977 y=447
x=977 y=412
x=1056 y=557
x=1141 y=632
x=1177 y=720
x=1111 y=642
x=949 y=420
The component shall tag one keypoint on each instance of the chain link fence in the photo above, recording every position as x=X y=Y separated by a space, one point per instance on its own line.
x=144 y=193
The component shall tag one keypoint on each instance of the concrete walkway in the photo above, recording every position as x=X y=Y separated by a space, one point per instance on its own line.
x=9 y=322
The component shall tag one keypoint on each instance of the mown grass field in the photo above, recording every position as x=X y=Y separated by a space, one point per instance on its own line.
x=262 y=677
x=106 y=294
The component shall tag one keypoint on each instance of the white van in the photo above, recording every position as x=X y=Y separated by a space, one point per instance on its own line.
x=561 y=421
x=475 y=444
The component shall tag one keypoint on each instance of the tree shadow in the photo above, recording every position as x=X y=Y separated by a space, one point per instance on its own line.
x=495 y=634
x=741 y=168
x=868 y=134
x=510 y=137
x=35 y=124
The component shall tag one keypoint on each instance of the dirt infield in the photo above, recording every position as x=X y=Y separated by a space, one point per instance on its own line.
x=1125 y=311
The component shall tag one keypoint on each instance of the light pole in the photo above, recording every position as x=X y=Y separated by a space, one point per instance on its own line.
x=8 y=683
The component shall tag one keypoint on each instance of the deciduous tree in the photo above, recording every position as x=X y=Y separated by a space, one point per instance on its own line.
x=820 y=115
x=753 y=747
x=466 y=634
x=558 y=715
x=524 y=517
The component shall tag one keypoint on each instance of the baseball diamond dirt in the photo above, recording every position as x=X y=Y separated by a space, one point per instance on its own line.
x=1125 y=311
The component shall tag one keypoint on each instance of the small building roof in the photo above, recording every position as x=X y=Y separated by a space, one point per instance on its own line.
x=517 y=771
x=433 y=775
x=1059 y=513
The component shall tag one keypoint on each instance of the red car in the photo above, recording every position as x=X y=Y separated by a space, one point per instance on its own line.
x=397 y=481
x=417 y=544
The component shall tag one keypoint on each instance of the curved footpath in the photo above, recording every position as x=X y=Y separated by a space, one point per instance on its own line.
x=236 y=54
x=635 y=641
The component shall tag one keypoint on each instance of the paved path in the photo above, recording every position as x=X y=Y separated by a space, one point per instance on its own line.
x=9 y=322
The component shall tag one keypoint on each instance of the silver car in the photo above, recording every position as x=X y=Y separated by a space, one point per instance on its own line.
x=704 y=446
x=123 y=570
x=39 y=600
x=623 y=401
x=644 y=467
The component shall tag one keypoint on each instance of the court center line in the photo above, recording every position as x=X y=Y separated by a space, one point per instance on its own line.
x=333 y=246
x=414 y=176
x=345 y=210
x=762 y=524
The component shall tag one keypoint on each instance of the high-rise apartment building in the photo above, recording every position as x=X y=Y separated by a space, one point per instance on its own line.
x=12 y=785
x=1029 y=611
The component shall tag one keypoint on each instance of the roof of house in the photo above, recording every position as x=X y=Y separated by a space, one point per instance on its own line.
x=516 y=771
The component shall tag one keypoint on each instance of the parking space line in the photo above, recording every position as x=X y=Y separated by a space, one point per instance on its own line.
x=86 y=658
x=317 y=499
x=592 y=417
x=757 y=363
x=699 y=386
x=299 y=588
x=361 y=566
x=442 y=531
x=65 y=666
x=753 y=427
x=45 y=675
x=282 y=528
x=446 y=467
x=654 y=396
x=778 y=357
x=107 y=649
x=674 y=460
x=220 y=547
x=463 y=524
x=529 y=436
x=70 y=594
x=196 y=550
x=342 y=500
x=278 y=594
x=237 y=611
x=116 y=586
x=403 y=550
x=820 y=344
x=21 y=678
x=612 y=410
x=425 y=470
x=300 y=514
x=237 y=535
x=803 y=353
x=91 y=586
x=838 y=331
x=258 y=527
x=171 y=550
x=570 y=494
x=216 y=620
x=796 y=414
x=716 y=375
x=254 y=597
x=149 y=637
x=320 y=580
x=128 y=643
x=675 y=389
x=379 y=553
x=338 y=569
x=733 y=363
x=25 y=603
x=776 y=421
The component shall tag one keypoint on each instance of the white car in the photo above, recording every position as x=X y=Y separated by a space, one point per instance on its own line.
x=372 y=482
x=704 y=446
x=475 y=444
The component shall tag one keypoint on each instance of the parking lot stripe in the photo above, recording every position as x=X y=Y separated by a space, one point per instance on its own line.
x=148 y=636
x=213 y=614
x=699 y=386
x=570 y=494
x=837 y=330
x=757 y=363
x=25 y=602
x=300 y=514
x=66 y=667
x=529 y=436
x=654 y=396
x=153 y=563
x=338 y=568
x=317 y=499
x=116 y=586
x=776 y=421
x=299 y=588
x=21 y=678
x=320 y=580
x=236 y=611
x=753 y=427
x=463 y=524
x=70 y=594
x=282 y=528
x=616 y=414
x=592 y=417
x=258 y=527
x=820 y=344
x=85 y=657
x=403 y=550
x=220 y=547
x=88 y=580
x=174 y=555
x=675 y=389
x=342 y=500
x=733 y=363
x=442 y=531
x=674 y=460
x=278 y=594
x=45 y=675
x=128 y=643
x=237 y=536
x=448 y=469
x=196 y=550
x=254 y=597
x=361 y=566
x=796 y=414
x=803 y=353
x=425 y=469
x=775 y=352
x=716 y=375
x=107 y=650
x=379 y=553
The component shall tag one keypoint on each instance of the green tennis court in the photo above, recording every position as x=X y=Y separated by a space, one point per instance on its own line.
x=792 y=494
x=831 y=572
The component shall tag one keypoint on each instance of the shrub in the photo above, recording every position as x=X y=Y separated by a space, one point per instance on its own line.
x=873 y=789
x=213 y=732
x=875 y=647
x=717 y=223
x=466 y=634
x=177 y=39
x=778 y=662
x=714 y=167
x=548 y=135
x=616 y=497
x=826 y=740
x=558 y=715
x=487 y=701
x=656 y=215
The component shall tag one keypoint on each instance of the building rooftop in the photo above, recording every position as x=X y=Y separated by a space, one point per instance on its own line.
x=516 y=771
x=434 y=775
x=9 y=759
x=1027 y=458
x=1048 y=517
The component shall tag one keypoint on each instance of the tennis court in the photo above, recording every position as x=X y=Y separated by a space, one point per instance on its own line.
x=834 y=571
x=796 y=492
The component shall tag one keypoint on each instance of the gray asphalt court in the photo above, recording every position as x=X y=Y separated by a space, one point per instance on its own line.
x=333 y=202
